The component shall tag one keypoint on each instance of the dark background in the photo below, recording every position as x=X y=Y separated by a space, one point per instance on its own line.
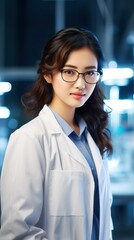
x=26 y=25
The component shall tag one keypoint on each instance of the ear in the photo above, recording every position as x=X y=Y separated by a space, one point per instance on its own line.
x=48 y=78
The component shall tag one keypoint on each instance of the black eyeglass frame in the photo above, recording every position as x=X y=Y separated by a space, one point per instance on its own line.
x=83 y=74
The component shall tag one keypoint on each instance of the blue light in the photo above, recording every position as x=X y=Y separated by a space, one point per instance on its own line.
x=110 y=75
x=5 y=87
x=4 y=112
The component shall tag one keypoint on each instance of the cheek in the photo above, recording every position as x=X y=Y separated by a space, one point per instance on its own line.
x=90 y=89
x=59 y=85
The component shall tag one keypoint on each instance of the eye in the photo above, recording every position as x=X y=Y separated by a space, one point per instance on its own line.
x=90 y=73
x=69 y=72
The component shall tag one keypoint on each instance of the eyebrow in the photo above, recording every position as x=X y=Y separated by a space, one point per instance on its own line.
x=72 y=66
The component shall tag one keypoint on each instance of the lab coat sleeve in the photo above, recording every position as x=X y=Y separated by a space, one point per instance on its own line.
x=22 y=188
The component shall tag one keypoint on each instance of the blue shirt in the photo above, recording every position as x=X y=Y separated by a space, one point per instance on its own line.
x=80 y=140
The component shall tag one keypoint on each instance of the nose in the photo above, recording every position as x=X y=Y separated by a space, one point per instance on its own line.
x=80 y=83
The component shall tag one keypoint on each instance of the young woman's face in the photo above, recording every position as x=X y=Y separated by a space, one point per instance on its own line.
x=73 y=95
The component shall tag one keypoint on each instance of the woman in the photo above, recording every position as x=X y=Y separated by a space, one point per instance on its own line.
x=55 y=182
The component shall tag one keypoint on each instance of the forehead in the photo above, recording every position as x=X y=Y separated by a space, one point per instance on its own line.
x=82 y=57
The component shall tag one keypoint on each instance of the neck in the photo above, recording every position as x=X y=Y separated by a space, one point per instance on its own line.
x=65 y=111
x=68 y=115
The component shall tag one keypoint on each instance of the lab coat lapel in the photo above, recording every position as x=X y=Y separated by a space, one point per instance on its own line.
x=78 y=156
x=67 y=144
x=72 y=150
x=63 y=140
x=104 y=201
x=95 y=153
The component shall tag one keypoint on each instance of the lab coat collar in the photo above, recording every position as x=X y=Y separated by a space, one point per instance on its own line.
x=54 y=128
x=50 y=121
x=67 y=128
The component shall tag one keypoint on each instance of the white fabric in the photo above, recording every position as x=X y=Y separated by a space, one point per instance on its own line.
x=47 y=186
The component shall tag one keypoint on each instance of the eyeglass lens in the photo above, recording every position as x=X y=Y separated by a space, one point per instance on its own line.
x=73 y=75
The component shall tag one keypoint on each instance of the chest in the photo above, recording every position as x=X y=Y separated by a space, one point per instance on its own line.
x=63 y=154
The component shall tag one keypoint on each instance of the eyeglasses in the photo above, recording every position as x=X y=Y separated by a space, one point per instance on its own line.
x=90 y=77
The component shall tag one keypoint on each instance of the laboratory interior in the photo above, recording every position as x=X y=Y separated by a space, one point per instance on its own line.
x=24 y=28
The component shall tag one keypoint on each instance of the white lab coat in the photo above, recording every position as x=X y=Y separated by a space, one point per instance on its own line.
x=47 y=186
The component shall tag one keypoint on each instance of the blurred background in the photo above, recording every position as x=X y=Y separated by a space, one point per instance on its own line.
x=25 y=26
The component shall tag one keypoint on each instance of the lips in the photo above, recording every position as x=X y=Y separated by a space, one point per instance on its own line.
x=78 y=94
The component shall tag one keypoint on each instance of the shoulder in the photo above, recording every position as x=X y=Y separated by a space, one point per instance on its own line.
x=43 y=125
x=33 y=128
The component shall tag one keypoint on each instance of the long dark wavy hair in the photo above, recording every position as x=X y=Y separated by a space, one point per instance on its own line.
x=54 y=57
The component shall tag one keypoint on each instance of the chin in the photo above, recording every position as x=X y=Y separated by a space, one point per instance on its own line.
x=79 y=105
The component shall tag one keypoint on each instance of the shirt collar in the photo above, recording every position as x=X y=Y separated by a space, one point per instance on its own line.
x=66 y=127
